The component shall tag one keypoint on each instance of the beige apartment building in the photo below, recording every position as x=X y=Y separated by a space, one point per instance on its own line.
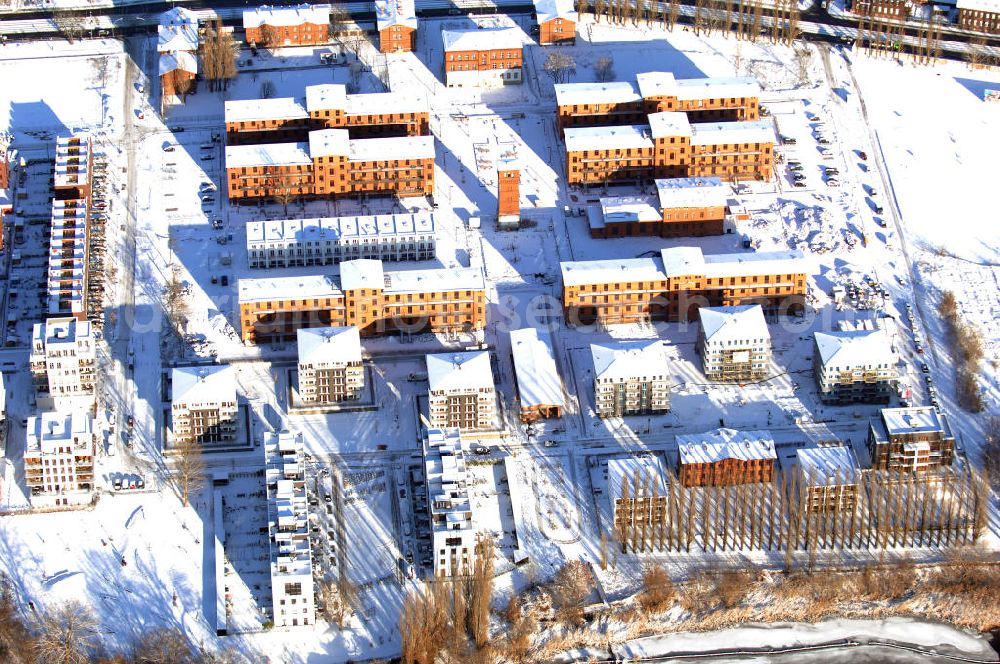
x=828 y=479
x=59 y=458
x=855 y=366
x=462 y=392
x=910 y=439
x=330 y=366
x=63 y=362
x=630 y=378
x=204 y=405
x=734 y=343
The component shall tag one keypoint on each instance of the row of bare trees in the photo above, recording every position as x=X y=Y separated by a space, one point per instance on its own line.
x=219 y=51
x=875 y=510
x=967 y=347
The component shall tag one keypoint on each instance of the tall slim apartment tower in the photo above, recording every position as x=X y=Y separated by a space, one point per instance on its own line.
x=63 y=362
x=508 y=192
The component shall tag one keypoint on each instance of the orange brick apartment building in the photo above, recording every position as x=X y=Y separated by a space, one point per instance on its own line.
x=979 y=15
x=376 y=302
x=325 y=106
x=688 y=207
x=396 y=21
x=725 y=457
x=557 y=21
x=669 y=147
x=301 y=25
x=622 y=103
x=673 y=286
x=486 y=57
x=331 y=164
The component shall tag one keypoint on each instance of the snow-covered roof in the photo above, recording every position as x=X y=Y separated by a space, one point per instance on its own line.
x=547 y=10
x=854 y=348
x=916 y=420
x=629 y=359
x=692 y=192
x=325 y=97
x=820 y=465
x=625 y=469
x=395 y=12
x=613 y=92
x=50 y=430
x=276 y=108
x=450 y=372
x=721 y=324
x=482 y=39
x=991 y=6
x=623 y=209
x=714 y=446
x=684 y=261
x=283 y=288
x=182 y=60
x=439 y=280
x=329 y=143
x=538 y=382
x=621 y=137
x=286 y=16
x=718 y=133
x=383 y=102
x=576 y=273
x=57 y=331
x=177 y=31
x=717 y=88
x=396 y=147
x=268 y=154
x=670 y=123
x=656 y=84
x=297 y=231
x=204 y=384
x=328 y=345
x=361 y=273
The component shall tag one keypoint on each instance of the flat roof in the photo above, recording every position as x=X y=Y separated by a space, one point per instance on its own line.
x=482 y=39
x=285 y=288
x=49 y=430
x=714 y=446
x=720 y=324
x=611 y=92
x=575 y=273
x=622 y=137
x=67 y=330
x=717 y=88
x=270 y=154
x=362 y=273
x=276 y=108
x=624 y=209
x=329 y=143
x=670 y=123
x=397 y=147
x=289 y=15
x=628 y=359
x=683 y=261
x=921 y=419
x=538 y=381
x=715 y=133
x=692 y=192
x=459 y=371
x=395 y=12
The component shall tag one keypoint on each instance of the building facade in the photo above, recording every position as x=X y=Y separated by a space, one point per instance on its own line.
x=461 y=391
x=307 y=242
x=59 y=458
x=894 y=9
x=979 y=15
x=508 y=193
x=734 y=343
x=453 y=533
x=486 y=57
x=69 y=245
x=301 y=25
x=557 y=21
x=630 y=378
x=638 y=495
x=686 y=207
x=177 y=44
x=855 y=366
x=204 y=407
x=828 y=479
x=674 y=286
x=405 y=302
x=726 y=457
x=330 y=365
x=910 y=439
x=63 y=362
x=539 y=387
x=292 y=590
x=396 y=21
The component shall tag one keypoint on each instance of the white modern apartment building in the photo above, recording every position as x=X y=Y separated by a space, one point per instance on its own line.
x=630 y=378
x=59 y=458
x=461 y=391
x=330 y=365
x=855 y=365
x=292 y=594
x=204 y=405
x=326 y=241
x=453 y=534
x=63 y=362
x=734 y=343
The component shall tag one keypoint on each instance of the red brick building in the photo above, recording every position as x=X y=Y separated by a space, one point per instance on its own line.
x=177 y=73
x=487 y=57
x=508 y=192
x=557 y=21
x=725 y=457
x=301 y=25
x=979 y=15
x=686 y=207
x=396 y=21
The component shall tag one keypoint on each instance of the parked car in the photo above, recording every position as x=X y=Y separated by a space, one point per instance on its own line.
x=924 y=367
x=788 y=140
x=863 y=155
x=799 y=183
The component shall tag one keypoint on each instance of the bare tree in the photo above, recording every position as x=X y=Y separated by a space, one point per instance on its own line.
x=340 y=22
x=481 y=591
x=356 y=71
x=657 y=589
x=164 y=645
x=423 y=623
x=570 y=588
x=189 y=467
x=176 y=301
x=219 y=52
x=803 y=56
x=604 y=68
x=559 y=65
x=16 y=642
x=68 y=635
x=69 y=23
x=267 y=89
x=285 y=197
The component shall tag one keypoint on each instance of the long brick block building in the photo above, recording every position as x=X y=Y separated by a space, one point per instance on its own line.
x=486 y=57
x=673 y=286
x=326 y=106
x=623 y=103
x=331 y=164
x=684 y=207
x=375 y=301
x=979 y=15
x=301 y=25
x=726 y=457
